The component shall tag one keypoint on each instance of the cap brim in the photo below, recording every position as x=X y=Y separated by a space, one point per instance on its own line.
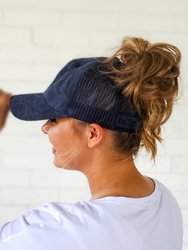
x=33 y=107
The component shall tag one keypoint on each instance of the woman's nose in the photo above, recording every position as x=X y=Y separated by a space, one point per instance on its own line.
x=45 y=128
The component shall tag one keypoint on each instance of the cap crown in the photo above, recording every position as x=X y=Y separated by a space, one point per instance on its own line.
x=82 y=91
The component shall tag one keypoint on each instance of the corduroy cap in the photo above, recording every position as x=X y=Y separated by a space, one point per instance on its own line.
x=81 y=91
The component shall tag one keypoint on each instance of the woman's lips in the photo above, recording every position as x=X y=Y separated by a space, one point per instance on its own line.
x=53 y=150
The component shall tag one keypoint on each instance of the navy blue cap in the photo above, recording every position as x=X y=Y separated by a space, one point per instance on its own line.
x=81 y=91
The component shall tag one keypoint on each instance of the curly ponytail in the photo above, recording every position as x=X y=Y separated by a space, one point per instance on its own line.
x=149 y=74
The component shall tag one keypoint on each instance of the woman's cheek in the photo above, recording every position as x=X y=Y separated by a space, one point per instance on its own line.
x=54 y=136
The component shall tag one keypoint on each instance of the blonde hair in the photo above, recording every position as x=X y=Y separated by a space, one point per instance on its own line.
x=148 y=73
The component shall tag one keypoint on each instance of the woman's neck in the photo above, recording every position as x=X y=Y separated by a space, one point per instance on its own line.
x=118 y=178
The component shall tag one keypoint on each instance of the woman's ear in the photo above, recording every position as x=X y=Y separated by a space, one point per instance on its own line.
x=95 y=135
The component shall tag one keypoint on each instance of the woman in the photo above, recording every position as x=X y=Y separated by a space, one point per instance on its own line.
x=100 y=112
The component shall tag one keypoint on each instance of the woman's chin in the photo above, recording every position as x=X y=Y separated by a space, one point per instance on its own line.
x=60 y=164
x=57 y=162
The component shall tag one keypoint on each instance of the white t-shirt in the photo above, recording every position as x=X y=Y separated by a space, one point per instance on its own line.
x=153 y=222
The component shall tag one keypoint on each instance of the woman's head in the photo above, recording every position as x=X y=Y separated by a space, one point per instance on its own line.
x=130 y=93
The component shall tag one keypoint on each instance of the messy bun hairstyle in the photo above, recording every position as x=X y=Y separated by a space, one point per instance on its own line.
x=148 y=73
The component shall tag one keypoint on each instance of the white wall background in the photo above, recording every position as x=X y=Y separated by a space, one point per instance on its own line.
x=37 y=38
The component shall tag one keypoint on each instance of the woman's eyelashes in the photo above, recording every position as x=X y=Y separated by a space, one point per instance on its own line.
x=53 y=120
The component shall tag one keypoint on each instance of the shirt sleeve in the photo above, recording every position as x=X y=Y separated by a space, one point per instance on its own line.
x=13 y=234
x=30 y=231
